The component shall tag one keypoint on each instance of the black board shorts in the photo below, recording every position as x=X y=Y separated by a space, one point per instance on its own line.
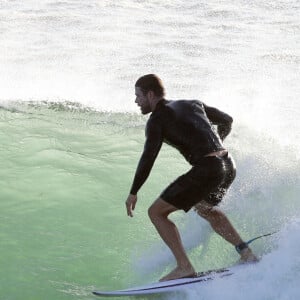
x=207 y=180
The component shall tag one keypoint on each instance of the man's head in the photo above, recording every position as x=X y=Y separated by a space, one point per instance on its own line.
x=149 y=90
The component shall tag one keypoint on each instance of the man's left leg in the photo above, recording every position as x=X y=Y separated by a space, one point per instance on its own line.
x=158 y=213
x=221 y=225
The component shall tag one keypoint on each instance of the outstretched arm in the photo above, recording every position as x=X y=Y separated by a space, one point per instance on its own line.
x=221 y=119
x=154 y=139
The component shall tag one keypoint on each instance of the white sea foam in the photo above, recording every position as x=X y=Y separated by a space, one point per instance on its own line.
x=274 y=277
x=242 y=56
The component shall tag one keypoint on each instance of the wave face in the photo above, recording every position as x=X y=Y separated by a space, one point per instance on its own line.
x=71 y=137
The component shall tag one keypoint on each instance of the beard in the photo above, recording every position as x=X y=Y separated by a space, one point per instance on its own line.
x=146 y=109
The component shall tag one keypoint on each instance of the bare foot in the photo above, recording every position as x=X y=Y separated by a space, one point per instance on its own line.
x=247 y=256
x=179 y=273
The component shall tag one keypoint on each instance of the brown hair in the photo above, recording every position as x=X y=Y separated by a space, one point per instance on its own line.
x=151 y=82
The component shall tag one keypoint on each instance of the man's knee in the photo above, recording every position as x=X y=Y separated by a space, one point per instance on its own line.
x=152 y=212
x=205 y=210
x=159 y=209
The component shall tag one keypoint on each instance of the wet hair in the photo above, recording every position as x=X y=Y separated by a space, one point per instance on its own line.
x=151 y=82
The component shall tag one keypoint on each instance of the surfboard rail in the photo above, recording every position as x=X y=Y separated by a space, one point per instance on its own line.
x=168 y=286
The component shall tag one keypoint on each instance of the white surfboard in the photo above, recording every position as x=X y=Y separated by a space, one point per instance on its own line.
x=177 y=284
x=169 y=286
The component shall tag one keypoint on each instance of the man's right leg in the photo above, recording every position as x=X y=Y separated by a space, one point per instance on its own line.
x=158 y=213
x=221 y=225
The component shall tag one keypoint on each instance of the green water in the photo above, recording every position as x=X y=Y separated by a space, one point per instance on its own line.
x=66 y=172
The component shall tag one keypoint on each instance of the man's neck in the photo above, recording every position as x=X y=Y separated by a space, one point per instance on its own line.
x=156 y=102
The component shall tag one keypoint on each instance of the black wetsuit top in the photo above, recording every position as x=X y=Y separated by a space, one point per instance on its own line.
x=187 y=126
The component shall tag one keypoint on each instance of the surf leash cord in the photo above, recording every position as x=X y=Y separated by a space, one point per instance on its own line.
x=239 y=248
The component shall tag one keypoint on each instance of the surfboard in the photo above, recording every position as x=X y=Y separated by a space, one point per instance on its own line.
x=169 y=286
x=178 y=284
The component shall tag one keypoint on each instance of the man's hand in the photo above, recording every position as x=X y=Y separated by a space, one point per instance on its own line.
x=130 y=204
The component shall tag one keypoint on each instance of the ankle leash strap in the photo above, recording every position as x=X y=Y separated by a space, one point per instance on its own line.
x=239 y=248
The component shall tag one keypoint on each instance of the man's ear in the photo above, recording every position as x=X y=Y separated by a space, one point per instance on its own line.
x=151 y=95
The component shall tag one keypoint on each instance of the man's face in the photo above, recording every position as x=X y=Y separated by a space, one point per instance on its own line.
x=142 y=101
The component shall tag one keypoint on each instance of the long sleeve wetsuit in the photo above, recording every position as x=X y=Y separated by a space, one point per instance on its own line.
x=187 y=125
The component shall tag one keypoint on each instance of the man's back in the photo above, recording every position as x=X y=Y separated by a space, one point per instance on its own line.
x=187 y=125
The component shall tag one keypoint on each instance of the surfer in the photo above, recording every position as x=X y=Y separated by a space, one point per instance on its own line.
x=187 y=125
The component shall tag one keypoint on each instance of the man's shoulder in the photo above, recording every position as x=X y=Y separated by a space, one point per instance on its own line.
x=170 y=108
x=184 y=106
x=160 y=116
x=186 y=102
